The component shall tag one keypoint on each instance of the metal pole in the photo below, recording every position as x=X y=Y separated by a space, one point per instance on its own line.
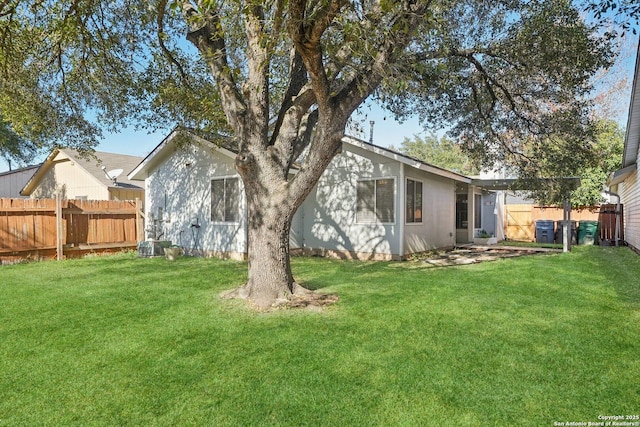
x=371 y=123
x=566 y=224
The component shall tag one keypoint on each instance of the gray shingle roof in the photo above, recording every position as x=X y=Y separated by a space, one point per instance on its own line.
x=94 y=162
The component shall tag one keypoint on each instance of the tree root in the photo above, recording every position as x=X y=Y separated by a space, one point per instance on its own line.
x=300 y=298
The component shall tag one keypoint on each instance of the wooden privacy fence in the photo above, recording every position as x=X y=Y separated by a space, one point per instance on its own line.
x=521 y=220
x=607 y=225
x=48 y=228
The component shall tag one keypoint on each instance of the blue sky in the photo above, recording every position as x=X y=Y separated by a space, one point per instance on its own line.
x=387 y=132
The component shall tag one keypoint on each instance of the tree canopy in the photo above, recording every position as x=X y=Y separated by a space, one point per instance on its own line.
x=13 y=148
x=606 y=156
x=439 y=151
x=487 y=69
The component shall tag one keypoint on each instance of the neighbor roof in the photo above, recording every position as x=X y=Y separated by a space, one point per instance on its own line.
x=23 y=169
x=91 y=163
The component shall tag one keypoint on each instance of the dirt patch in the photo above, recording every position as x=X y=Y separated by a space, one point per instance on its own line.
x=312 y=302
x=300 y=298
x=476 y=254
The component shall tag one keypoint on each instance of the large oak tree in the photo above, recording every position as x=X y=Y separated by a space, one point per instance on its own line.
x=282 y=78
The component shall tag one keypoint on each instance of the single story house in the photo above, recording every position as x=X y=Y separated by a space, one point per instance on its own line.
x=370 y=203
x=13 y=181
x=625 y=181
x=92 y=176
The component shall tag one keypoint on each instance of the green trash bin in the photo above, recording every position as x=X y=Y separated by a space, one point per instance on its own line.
x=587 y=232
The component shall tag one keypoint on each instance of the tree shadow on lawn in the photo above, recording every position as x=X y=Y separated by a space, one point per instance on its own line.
x=318 y=273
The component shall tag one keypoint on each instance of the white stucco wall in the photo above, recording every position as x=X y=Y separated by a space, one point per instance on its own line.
x=325 y=221
x=181 y=187
x=330 y=210
x=296 y=236
x=437 y=229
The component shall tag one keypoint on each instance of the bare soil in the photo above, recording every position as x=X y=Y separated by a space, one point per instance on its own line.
x=301 y=298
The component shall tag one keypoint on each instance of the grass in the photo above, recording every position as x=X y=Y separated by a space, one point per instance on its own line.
x=125 y=341
x=517 y=243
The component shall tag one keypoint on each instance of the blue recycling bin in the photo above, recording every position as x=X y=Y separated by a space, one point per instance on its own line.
x=544 y=231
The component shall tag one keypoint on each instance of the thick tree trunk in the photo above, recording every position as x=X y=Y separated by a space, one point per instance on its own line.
x=273 y=197
x=270 y=212
x=270 y=281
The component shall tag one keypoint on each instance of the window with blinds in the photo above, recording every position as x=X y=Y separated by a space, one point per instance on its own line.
x=225 y=200
x=375 y=201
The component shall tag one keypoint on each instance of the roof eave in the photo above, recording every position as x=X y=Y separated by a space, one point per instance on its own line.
x=435 y=170
x=620 y=175
x=515 y=184
x=137 y=173
x=42 y=169
x=632 y=136
x=140 y=171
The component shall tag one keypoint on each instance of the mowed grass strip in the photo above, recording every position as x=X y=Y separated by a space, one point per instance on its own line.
x=120 y=340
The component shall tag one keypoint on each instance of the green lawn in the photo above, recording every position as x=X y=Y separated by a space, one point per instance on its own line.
x=125 y=341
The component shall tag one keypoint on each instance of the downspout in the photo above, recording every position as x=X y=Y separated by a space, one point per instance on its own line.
x=401 y=212
x=617 y=229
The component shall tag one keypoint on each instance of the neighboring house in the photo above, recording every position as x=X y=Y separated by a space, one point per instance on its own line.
x=625 y=181
x=11 y=182
x=371 y=202
x=76 y=176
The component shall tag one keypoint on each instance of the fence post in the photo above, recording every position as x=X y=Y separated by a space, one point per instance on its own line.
x=59 y=227
x=139 y=220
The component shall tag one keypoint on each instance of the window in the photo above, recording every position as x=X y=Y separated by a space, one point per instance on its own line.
x=225 y=200
x=375 y=201
x=414 y=201
x=461 y=211
x=477 y=211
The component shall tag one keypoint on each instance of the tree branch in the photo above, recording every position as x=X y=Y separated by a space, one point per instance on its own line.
x=256 y=87
x=162 y=5
x=403 y=26
x=207 y=38
x=306 y=33
x=297 y=80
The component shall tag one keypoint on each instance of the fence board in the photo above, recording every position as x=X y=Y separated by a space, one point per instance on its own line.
x=607 y=224
x=521 y=219
x=28 y=226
